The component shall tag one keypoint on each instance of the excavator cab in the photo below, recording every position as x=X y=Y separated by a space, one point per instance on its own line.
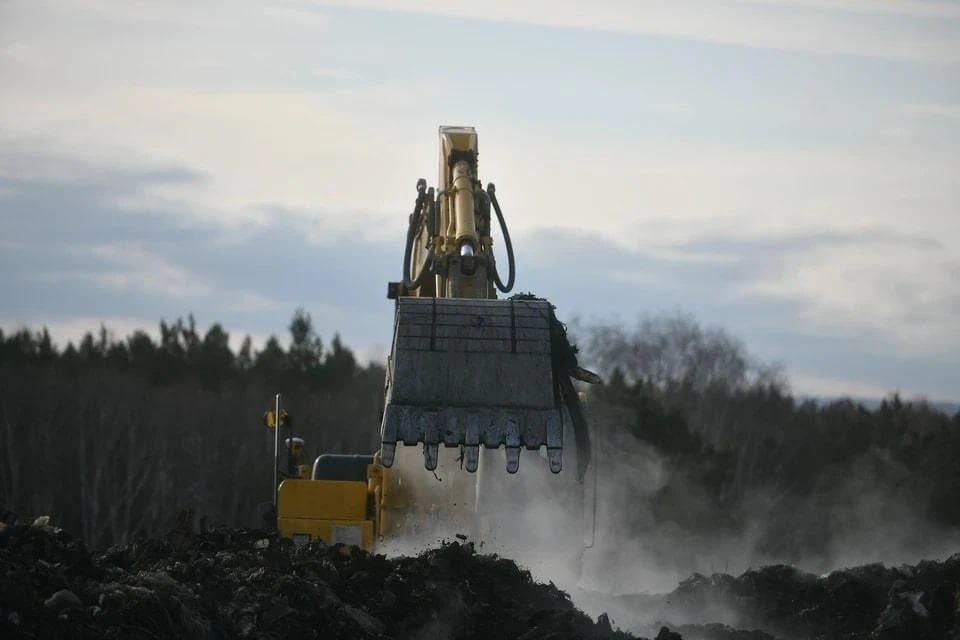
x=466 y=369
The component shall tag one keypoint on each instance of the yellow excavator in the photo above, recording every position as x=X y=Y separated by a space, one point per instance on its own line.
x=468 y=375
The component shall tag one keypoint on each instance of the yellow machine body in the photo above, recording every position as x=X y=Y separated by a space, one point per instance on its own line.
x=333 y=511
x=352 y=512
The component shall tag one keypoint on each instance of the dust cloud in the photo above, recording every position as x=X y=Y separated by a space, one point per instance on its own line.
x=605 y=540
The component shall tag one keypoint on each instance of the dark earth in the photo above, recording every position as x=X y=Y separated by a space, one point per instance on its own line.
x=218 y=582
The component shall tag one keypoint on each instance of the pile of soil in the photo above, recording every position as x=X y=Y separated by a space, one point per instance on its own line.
x=239 y=583
x=218 y=582
x=874 y=602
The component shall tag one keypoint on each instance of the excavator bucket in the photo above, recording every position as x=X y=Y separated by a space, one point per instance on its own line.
x=472 y=372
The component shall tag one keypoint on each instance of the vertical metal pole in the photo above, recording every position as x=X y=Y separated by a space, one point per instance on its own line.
x=276 y=451
x=291 y=472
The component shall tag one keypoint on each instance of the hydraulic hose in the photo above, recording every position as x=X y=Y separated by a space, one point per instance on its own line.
x=492 y=192
x=415 y=217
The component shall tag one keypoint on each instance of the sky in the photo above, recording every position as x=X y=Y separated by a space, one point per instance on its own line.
x=785 y=169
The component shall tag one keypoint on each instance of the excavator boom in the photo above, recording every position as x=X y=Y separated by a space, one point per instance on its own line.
x=466 y=369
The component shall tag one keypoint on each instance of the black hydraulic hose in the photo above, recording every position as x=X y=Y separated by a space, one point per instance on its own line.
x=492 y=192
x=426 y=268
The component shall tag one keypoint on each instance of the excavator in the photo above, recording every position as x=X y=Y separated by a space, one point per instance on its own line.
x=469 y=375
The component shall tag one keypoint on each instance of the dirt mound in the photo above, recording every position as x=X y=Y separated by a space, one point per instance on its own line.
x=872 y=601
x=240 y=583
x=237 y=583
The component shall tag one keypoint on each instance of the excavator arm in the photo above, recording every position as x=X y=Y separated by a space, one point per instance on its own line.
x=467 y=369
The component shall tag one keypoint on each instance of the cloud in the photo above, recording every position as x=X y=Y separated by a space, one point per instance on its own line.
x=246 y=170
x=253 y=148
x=877 y=29
x=252 y=279
x=932 y=111
x=896 y=287
x=58 y=263
x=905 y=8
x=839 y=306
x=296 y=16
x=906 y=298
x=663 y=192
x=332 y=153
x=133 y=268
x=823 y=386
x=779 y=244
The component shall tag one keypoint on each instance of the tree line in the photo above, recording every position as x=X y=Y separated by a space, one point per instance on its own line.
x=742 y=454
x=113 y=436
x=183 y=354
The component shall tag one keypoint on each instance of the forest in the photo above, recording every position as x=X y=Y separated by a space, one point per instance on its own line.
x=114 y=435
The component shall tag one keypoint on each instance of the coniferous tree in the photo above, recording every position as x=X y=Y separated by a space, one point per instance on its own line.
x=215 y=359
x=244 y=358
x=271 y=363
x=142 y=353
x=306 y=348
x=191 y=341
x=340 y=364
x=89 y=351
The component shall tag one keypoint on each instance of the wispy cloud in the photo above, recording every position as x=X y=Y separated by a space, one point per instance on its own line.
x=903 y=296
x=862 y=28
x=299 y=16
x=907 y=8
x=826 y=386
x=132 y=268
x=937 y=111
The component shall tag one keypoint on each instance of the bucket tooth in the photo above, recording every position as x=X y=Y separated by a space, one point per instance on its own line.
x=387 y=451
x=555 y=443
x=555 y=458
x=513 y=459
x=471 y=442
x=430 y=453
x=511 y=433
x=471 y=457
x=388 y=435
x=388 y=432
